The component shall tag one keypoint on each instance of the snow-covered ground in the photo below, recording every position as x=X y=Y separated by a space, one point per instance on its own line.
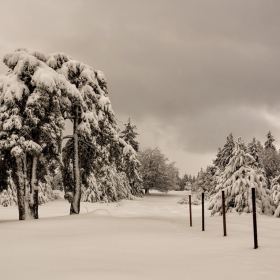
x=148 y=238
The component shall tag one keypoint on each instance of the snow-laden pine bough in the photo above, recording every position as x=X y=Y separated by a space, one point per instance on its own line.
x=275 y=193
x=237 y=180
x=8 y=192
x=36 y=96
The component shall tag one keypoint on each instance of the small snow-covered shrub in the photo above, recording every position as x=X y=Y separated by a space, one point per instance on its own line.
x=8 y=197
x=185 y=200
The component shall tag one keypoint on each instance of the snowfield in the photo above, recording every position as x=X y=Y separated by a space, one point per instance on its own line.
x=148 y=238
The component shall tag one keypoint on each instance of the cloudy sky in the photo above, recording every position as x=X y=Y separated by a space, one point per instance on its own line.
x=186 y=72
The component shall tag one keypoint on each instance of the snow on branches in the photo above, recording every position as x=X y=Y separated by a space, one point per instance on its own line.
x=237 y=180
x=37 y=94
x=275 y=193
x=157 y=172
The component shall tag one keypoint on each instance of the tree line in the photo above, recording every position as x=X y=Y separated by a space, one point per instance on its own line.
x=236 y=169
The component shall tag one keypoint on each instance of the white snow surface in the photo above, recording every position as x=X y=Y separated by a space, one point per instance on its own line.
x=147 y=238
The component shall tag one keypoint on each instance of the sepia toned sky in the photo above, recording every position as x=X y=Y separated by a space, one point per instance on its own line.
x=186 y=72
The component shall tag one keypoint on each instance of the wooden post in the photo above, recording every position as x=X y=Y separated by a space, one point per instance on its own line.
x=190 y=207
x=254 y=218
x=224 y=213
x=202 y=211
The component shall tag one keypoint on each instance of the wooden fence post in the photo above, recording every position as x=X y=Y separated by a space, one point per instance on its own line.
x=254 y=218
x=202 y=198
x=190 y=208
x=224 y=213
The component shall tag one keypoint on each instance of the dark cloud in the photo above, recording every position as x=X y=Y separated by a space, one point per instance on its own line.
x=200 y=69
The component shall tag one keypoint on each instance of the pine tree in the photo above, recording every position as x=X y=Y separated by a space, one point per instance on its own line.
x=269 y=142
x=31 y=122
x=129 y=135
x=275 y=194
x=260 y=147
x=225 y=154
x=198 y=185
x=206 y=182
x=237 y=180
x=218 y=157
x=270 y=158
x=210 y=180
x=255 y=151
x=37 y=94
x=109 y=167
x=183 y=182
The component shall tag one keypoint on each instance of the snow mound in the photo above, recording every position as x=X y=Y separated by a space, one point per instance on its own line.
x=101 y=212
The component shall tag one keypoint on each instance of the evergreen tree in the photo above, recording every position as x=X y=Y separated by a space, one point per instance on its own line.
x=269 y=142
x=225 y=154
x=210 y=180
x=129 y=135
x=275 y=194
x=270 y=158
x=36 y=95
x=179 y=183
x=218 y=157
x=255 y=151
x=237 y=180
x=183 y=182
x=206 y=182
x=31 y=122
x=260 y=147
x=199 y=186
x=108 y=164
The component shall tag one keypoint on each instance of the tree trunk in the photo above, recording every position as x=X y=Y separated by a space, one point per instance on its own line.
x=75 y=204
x=26 y=205
x=34 y=189
x=147 y=191
x=18 y=178
x=36 y=203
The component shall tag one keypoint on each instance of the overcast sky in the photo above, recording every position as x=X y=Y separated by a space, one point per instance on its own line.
x=187 y=73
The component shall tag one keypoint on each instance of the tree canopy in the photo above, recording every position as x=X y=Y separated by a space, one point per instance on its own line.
x=157 y=172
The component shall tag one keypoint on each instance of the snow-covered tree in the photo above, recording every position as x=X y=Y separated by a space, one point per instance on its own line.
x=8 y=193
x=156 y=172
x=237 y=180
x=205 y=182
x=129 y=135
x=214 y=174
x=269 y=142
x=225 y=154
x=198 y=184
x=210 y=180
x=216 y=161
x=270 y=158
x=260 y=146
x=255 y=151
x=108 y=164
x=32 y=96
x=36 y=95
x=182 y=182
x=275 y=194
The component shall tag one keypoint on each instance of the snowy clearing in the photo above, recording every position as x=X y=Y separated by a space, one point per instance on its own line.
x=148 y=238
